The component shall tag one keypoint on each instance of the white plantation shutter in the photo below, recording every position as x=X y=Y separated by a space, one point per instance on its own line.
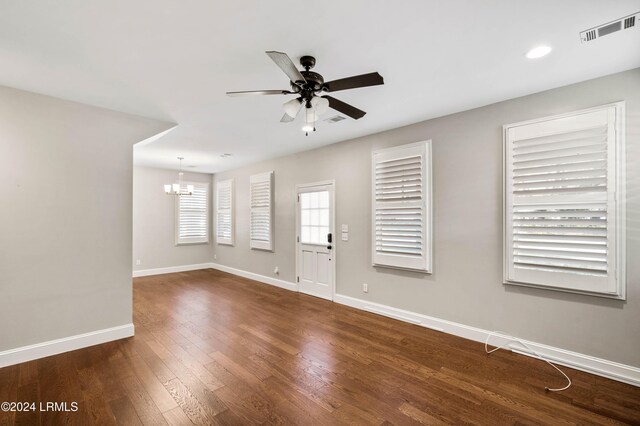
x=224 y=212
x=261 y=227
x=563 y=220
x=402 y=207
x=192 y=215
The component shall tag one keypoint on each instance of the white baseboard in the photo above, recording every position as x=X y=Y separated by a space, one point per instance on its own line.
x=66 y=344
x=171 y=269
x=256 y=277
x=601 y=367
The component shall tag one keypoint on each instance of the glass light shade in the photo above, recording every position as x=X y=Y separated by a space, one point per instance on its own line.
x=292 y=107
x=309 y=120
x=167 y=189
x=190 y=189
x=320 y=105
x=176 y=187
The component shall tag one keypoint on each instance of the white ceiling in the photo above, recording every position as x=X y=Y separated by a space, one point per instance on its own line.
x=174 y=60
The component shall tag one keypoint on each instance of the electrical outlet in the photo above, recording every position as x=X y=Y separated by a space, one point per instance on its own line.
x=215 y=256
x=365 y=288
x=276 y=270
x=138 y=262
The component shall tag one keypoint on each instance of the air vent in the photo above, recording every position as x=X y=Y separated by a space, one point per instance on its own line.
x=335 y=119
x=609 y=28
x=591 y=35
x=629 y=22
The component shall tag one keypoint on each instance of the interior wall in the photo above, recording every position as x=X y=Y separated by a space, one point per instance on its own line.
x=65 y=221
x=466 y=284
x=154 y=221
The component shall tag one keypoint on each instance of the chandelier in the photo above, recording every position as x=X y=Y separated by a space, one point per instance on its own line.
x=178 y=188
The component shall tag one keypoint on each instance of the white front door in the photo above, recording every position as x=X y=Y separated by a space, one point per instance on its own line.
x=316 y=239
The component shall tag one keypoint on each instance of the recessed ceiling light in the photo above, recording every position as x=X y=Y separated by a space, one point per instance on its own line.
x=538 y=52
x=225 y=155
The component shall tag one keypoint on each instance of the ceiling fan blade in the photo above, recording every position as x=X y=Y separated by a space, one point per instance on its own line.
x=259 y=92
x=364 y=80
x=344 y=108
x=285 y=63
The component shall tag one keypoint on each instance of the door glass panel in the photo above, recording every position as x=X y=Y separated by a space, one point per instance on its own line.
x=314 y=217
x=323 y=199
x=315 y=235
x=324 y=217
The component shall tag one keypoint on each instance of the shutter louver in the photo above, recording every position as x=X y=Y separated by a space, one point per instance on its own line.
x=224 y=212
x=561 y=219
x=261 y=194
x=400 y=215
x=399 y=179
x=193 y=215
x=558 y=237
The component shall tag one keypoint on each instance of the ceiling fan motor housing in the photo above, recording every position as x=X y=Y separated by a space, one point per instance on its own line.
x=314 y=80
x=308 y=62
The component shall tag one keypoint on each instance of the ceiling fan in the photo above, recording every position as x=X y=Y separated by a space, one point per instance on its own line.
x=309 y=86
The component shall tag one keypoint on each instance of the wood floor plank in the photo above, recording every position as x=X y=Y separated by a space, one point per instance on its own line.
x=96 y=405
x=195 y=409
x=9 y=379
x=147 y=411
x=216 y=349
x=29 y=393
x=124 y=411
x=158 y=393
x=177 y=417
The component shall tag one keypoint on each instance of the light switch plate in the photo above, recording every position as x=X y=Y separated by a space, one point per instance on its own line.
x=345 y=228
x=345 y=236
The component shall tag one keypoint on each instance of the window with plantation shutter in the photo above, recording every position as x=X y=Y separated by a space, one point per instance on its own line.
x=192 y=215
x=401 y=216
x=564 y=201
x=224 y=212
x=261 y=227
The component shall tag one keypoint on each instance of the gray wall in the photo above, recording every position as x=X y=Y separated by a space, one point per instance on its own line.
x=65 y=221
x=154 y=221
x=466 y=285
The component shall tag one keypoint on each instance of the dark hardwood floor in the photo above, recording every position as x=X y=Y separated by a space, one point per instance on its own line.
x=212 y=348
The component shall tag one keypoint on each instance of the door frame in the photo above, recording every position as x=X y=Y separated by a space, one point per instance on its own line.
x=332 y=229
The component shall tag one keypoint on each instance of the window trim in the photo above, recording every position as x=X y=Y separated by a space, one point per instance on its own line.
x=427 y=206
x=257 y=244
x=226 y=241
x=619 y=188
x=177 y=216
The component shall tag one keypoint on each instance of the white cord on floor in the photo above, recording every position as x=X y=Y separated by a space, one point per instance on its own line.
x=513 y=339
